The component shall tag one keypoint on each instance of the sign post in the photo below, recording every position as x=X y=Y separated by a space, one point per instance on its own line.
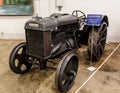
x=93 y=20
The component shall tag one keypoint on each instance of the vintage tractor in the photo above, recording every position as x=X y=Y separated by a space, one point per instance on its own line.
x=58 y=36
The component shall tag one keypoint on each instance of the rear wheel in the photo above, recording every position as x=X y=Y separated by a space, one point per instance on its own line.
x=19 y=60
x=96 y=41
x=66 y=72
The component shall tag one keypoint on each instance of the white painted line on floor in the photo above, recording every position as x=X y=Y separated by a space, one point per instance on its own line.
x=97 y=69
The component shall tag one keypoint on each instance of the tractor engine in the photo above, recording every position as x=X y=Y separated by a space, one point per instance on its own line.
x=51 y=36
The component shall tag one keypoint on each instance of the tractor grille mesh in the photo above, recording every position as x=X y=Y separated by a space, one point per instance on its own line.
x=35 y=44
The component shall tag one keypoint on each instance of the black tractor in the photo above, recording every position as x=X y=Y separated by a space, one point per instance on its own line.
x=58 y=36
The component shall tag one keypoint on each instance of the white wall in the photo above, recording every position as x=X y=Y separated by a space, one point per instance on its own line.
x=13 y=27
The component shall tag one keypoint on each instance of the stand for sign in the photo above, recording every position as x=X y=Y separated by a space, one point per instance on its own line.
x=91 y=68
x=93 y=20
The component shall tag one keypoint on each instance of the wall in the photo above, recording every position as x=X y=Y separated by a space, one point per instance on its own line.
x=13 y=27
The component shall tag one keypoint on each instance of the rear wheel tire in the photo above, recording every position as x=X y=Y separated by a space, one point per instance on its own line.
x=99 y=39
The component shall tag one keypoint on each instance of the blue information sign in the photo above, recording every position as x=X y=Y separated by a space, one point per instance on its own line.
x=94 y=19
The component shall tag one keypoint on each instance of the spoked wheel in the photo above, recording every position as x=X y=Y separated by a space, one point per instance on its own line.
x=19 y=60
x=97 y=44
x=66 y=72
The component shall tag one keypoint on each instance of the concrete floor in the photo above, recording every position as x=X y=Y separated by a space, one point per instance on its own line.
x=106 y=80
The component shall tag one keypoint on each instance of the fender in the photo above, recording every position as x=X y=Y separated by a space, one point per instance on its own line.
x=105 y=19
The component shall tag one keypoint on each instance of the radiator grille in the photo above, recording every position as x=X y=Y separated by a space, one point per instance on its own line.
x=35 y=43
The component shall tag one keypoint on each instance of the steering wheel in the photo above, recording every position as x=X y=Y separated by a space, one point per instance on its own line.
x=79 y=14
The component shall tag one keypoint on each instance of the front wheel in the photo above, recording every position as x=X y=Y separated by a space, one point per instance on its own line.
x=19 y=60
x=66 y=72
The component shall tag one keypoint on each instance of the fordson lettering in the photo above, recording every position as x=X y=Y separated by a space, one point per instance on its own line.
x=33 y=25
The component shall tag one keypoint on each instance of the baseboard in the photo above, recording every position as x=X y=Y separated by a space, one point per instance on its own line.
x=12 y=36
x=113 y=38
